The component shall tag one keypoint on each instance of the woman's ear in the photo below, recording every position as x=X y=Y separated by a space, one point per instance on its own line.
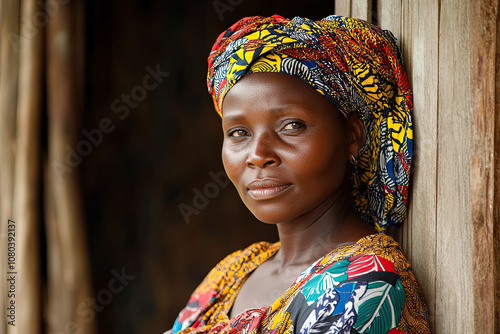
x=357 y=134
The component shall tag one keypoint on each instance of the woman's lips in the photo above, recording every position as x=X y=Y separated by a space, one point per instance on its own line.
x=266 y=189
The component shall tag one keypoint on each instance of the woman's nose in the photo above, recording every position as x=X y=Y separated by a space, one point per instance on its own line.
x=262 y=152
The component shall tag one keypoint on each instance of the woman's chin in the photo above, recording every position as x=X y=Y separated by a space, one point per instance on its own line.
x=267 y=219
x=272 y=216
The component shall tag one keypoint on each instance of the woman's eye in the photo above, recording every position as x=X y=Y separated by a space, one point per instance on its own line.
x=238 y=133
x=293 y=126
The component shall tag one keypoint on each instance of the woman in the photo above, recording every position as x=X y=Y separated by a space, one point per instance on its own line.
x=318 y=141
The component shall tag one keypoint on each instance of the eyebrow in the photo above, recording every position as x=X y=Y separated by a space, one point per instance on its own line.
x=279 y=110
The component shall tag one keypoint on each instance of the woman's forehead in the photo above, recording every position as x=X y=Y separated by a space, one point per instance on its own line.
x=279 y=88
x=270 y=96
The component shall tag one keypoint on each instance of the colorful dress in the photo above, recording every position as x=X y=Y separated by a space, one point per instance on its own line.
x=366 y=287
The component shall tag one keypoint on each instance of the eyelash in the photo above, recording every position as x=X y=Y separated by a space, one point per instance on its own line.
x=299 y=123
x=230 y=133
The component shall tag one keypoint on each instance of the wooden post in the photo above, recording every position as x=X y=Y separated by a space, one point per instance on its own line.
x=9 y=27
x=484 y=169
x=361 y=9
x=420 y=48
x=454 y=231
x=496 y=195
x=343 y=7
x=68 y=258
x=390 y=15
x=26 y=211
x=452 y=235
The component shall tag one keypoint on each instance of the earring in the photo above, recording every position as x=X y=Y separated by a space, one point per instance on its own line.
x=353 y=160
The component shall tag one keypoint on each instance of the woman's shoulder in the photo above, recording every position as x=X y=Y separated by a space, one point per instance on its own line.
x=374 y=258
x=380 y=244
x=229 y=268
x=379 y=247
x=254 y=250
x=364 y=284
x=215 y=290
x=258 y=251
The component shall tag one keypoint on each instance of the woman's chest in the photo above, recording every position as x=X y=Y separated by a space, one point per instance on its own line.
x=263 y=287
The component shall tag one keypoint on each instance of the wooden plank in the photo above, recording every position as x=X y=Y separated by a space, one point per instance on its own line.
x=343 y=7
x=390 y=15
x=26 y=183
x=420 y=51
x=454 y=310
x=9 y=26
x=496 y=210
x=362 y=9
x=482 y=187
x=496 y=173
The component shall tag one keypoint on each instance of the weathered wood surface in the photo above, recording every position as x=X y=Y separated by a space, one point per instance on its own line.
x=484 y=169
x=68 y=263
x=26 y=198
x=361 y=9
x=453 y=224
x=9 y=24
x=21 y=89
x=496 y=178
x=420 y=46
x=452 y=234
x=389 y=15
x=343 y=7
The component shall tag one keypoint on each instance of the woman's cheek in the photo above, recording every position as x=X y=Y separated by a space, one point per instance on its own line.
x=231 y=162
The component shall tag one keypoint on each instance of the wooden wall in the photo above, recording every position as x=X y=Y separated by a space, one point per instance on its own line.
x=452 y=232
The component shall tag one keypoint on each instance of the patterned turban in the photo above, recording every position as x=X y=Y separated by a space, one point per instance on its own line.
x=358 y=68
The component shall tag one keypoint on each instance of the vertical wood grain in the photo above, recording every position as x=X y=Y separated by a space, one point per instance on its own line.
x=343 y=7
x=9 y=26
x=482 y=187
x=454 y=279
x=362 y=9
x=452 y=234
x=390 y=15
x=27 y=178
x=420 y=46
x=496 y=210
x=68 y=263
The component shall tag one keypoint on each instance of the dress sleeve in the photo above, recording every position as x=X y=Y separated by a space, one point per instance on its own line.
x=204 y=296
x=207 y=308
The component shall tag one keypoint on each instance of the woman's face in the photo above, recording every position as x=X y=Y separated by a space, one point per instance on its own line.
x=286 y=147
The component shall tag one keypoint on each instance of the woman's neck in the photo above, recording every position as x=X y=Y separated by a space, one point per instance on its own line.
x=313 y=235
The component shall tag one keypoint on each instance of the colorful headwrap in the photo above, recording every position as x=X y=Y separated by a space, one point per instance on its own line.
x=356 y=66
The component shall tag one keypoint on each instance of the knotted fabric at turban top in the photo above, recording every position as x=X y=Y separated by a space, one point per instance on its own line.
x=357 y=67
